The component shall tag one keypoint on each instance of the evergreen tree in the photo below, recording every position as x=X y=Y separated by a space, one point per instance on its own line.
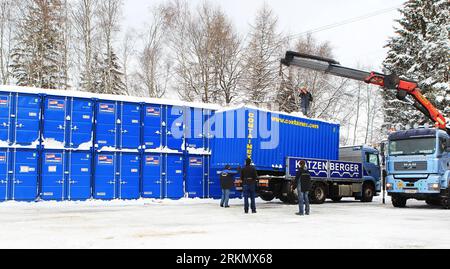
x=420 y=51
x=92 y=82
x=110 y=77
x=38 y=57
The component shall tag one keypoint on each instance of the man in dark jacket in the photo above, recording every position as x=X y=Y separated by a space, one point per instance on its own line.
x=226 y=183
x=303 y=185
x=249 y=177
x=306 y=99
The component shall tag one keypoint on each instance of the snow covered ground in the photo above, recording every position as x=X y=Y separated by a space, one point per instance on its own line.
x=202 y=224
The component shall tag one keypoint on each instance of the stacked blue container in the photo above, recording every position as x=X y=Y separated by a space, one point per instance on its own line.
x=66 y=149
x=198 y=152
x=163 y=147
x=19 y=142
x=117 y=140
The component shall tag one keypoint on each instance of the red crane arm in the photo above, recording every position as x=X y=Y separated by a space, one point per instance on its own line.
x=410 y=88
x=392 y=82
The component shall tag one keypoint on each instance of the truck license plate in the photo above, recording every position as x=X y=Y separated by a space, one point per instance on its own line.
x=411 y=191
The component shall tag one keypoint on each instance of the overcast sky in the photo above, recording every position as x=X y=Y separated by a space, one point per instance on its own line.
x=360 y=42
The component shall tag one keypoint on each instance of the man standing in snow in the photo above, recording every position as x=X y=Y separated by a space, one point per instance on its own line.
x=226 y=183
x=249 y=177
x=303 y=185
x=306 y=99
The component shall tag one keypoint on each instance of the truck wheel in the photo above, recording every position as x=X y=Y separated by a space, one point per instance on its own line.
x=433 y=202
x=284 y=199
x=336 y=199
x=368 y=193
x=293 y=197
x=286 y=189
x=399 y=202
x=318 y=194
x=267 y=197
x=445 y=203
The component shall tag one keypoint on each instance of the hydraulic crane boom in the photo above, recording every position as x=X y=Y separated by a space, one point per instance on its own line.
x=391 y=82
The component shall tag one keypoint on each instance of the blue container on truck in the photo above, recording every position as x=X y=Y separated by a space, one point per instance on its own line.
x=66 y=175
x=118 y=125
x=163 y=176
x=18 y=174
x=20 y=115
x=268 y=138
x=67 y=122
x=418 y=165
x=117 y=175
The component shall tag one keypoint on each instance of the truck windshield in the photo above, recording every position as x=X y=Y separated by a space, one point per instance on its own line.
x=418 y=146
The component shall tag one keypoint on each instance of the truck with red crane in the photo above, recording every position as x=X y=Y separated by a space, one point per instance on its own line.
x=418 y=160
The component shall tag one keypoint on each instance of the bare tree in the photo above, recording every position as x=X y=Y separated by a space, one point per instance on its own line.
x=154 y=68
x=262 y=58
x=227 y=59
x=128 y=52
x=358 y=104
x=205 y=70
x=109 y=14
x=8 y=19
x=83 y=15
x=66 y=34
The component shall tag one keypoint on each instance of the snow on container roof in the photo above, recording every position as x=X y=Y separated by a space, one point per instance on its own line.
x=124 y=98
x=293 y=114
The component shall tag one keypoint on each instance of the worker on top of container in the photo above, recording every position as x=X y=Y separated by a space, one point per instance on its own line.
x=226 y=183
x=303 y=186
x=305 y=101
x=249 y=177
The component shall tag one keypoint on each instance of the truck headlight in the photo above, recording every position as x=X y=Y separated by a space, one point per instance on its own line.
x=434 y=187
x=389 y=186
x=264 y=182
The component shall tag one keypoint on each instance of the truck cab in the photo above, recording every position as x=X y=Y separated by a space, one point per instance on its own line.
x=418 y=166
x=370 y=158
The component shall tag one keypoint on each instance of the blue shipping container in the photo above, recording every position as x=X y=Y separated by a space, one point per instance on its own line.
x=268 y=138
x=18 y=174
x=118 y=125
x=153 y=126
x=197 y=176
x=152 y=175
x=174 y=125
x=174 y=177
x=117 y=175
x=68 y=122
x=20 y=116
x=198 y=129
x=162 y=176
x=66 y=175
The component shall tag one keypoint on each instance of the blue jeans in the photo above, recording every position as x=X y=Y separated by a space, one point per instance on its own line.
x=250 y=192
x=303 y=202
x=225 y=197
